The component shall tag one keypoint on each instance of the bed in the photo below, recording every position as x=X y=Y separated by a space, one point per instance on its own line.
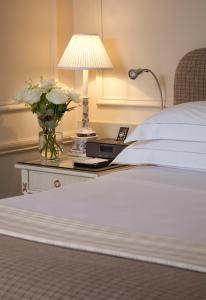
x=135 y=234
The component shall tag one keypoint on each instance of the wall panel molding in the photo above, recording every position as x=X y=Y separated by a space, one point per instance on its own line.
x=18 y=145
x=25 y=144
x=5 y=108
x=128 y=102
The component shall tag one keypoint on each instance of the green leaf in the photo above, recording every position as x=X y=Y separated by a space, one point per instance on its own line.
x=50 y=112
x=61 y=108
x=42 y=108
x=34 y=107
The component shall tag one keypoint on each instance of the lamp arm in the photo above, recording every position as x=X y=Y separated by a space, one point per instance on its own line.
x=158 y=84
x=134 y=73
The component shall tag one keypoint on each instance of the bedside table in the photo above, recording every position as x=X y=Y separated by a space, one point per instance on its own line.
x=37 y=176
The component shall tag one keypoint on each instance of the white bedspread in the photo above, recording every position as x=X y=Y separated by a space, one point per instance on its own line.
x=150 y=213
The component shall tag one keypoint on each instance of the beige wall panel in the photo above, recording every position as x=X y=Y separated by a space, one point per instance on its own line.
x=25 y=32
x=86 y=17
x=28 y=50
x=27 y=40
x=152 y=33
x=26 y=125
x=64 y=31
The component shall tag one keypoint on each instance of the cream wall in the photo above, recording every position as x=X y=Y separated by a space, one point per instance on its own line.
x=31 y=44
x=33 y=34
x=25 y=33
x=64 y=31
x=151 y=34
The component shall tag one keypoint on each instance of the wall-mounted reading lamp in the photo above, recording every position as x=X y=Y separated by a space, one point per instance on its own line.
x=134 y=73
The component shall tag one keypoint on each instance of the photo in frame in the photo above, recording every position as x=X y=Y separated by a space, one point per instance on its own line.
x=123 y=131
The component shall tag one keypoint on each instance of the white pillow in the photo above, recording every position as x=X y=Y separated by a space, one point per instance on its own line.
x=181 y=122
x=181 y=154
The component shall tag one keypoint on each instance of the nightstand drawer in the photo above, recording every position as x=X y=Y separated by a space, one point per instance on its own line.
x=42 y=181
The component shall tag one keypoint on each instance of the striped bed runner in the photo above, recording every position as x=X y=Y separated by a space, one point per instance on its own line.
x=100 y=239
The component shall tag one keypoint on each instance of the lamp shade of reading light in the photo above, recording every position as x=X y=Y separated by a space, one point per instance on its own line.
x=134 y=73
x=85 y=52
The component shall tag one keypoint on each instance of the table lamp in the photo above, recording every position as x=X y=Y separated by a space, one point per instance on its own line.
x=85 y=52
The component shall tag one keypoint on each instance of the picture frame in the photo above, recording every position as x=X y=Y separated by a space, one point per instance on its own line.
x=123 y=131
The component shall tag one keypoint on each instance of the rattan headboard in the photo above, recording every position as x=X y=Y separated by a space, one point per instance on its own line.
x=190 y=77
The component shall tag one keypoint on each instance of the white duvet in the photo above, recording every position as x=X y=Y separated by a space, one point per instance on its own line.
x=162 y=207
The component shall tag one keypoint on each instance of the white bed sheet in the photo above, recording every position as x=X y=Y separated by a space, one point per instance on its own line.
x=149 y=200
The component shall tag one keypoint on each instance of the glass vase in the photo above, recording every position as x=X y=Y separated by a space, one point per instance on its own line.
x=50 y=144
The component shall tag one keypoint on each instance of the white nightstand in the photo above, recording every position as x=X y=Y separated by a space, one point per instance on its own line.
x=37 y=176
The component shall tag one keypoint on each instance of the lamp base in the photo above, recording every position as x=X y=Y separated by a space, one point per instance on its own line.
x=86 y=132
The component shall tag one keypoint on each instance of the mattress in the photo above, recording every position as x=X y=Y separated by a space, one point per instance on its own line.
x=148 y=213
x=150 y=200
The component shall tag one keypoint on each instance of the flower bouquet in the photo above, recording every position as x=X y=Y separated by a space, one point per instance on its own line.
x=49 y=100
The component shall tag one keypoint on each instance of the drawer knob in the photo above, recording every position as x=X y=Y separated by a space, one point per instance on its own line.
x=57 y=183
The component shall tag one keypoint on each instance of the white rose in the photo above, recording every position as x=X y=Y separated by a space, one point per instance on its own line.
x=72 y=94
x=47 y=84
x=32 y=96
x=57 y=96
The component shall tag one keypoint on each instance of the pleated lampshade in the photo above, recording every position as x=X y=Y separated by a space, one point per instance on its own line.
x=85 y=52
